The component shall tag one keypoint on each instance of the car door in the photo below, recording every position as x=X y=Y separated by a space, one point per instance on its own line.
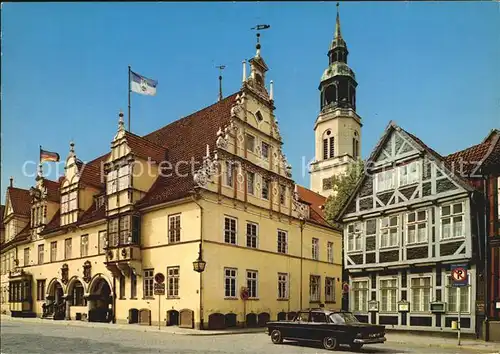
x=300 y=329
x=318 y=326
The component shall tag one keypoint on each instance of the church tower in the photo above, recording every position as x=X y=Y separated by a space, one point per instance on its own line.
x=337 y=129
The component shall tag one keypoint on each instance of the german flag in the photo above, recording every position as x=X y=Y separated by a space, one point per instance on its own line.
x=48 y=156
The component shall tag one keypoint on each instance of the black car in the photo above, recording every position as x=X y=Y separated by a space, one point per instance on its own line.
x=331 y=328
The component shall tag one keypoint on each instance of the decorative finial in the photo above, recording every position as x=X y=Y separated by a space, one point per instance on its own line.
x=259 y=28
x=220 y=67
x=337 y=23
x=71 y=147
x=40 y=171
x=271 y=90
x=121 y=124
x=11 y=181
x=244 y=70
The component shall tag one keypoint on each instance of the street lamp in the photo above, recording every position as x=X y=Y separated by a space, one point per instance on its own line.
x=199 y=264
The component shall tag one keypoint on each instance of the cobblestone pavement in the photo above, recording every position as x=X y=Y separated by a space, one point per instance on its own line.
x=31 y=338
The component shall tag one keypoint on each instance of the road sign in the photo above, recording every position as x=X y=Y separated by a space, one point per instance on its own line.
x=459 y=276
x=159 y=278
x=159 y=289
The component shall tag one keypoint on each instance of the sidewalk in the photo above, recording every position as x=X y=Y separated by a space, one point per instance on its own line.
x=414 y=340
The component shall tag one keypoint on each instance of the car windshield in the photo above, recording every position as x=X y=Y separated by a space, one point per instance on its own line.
x=343 y=318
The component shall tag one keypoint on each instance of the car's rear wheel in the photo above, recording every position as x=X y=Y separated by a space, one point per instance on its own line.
x=276 y=336
x=330 y=343
x=356 y=346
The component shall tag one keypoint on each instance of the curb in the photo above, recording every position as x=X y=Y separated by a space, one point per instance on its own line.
x=448 y=346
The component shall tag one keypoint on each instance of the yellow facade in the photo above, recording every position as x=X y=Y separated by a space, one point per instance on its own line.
x=268 y=251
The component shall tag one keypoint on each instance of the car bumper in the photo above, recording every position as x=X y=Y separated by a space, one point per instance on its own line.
x=369 y=340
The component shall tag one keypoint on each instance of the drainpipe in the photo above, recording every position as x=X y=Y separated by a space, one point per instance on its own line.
x=114 y=299
x=486 y=252
x=195 y=196
x=302 y=225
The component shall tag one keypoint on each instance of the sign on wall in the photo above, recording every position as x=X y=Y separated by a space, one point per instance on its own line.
x=459 y=275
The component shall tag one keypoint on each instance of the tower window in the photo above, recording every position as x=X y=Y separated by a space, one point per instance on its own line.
x=330 y=94
x=325 y=149
x=355 y=147
x=332 y=146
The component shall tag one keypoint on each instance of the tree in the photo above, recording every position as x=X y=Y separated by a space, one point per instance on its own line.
x=343 y=186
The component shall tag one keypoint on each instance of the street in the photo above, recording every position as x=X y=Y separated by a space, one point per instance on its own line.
x=47 y=337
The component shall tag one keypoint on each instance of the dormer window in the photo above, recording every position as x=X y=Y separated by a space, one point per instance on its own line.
x=385 y=180
x=69 y=202
x=265 y=151
x=37 y=215
x=118 y=179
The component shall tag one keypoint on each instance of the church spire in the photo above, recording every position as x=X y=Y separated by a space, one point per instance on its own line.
x=338 y=43
x=338 y=34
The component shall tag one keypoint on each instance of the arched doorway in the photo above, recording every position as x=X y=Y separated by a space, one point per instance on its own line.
x=55 y=304
x=100 y=300
x=76 y=293
x=172 y=318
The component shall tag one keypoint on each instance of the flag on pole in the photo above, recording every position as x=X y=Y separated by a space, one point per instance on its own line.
x=48 y=156
x=142 y=85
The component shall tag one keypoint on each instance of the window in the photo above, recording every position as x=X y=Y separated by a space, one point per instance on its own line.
x=416 y=227
x=64 y=203
x=354 y=238
x=251 y=183
x=111 y=178
x=124 y=229
x=282 y=286
x=420 y=294
x=252 y=280
x=325 y=149
x=315 y=248
x=230 y=282
x=41 y=253
x=282 y=241
x=355 y=147
x=258 y=114
x=124 y=177
x=148 y=283
x=360 y=296
x=26 y=256
x=452 y=221
x=102 y=241
x=329 y=252
x=113 y=232
x=265 y=188
x=173 y=282
x=122 y=286
x=174 y=228
x=53 y=251
x=78 y=299
x=329 y=289
x=453 y=297
x=67 y=248
x=230 y=230
x=318 y=317
x=302 y=317
x=327 y=183
x=384 y=181
x=332 y=146
x=265 y=150
x=250 y=142
x=229 y=173
x=314 y=285
x=282 y=194
x=408 y=173
x=388 y=291
x=40 y=289
x=133 y=286
x=73 y=201
x=84 y=245
x=389 y=231
x=252 y=235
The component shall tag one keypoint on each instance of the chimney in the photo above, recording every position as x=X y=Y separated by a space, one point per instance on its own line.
x=11 y=182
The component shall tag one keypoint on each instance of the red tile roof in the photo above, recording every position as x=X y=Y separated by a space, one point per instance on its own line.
x=20 y=200
x=52 y=190
x=91 y=172
x=186 y=139
x=470 y=160
x=316 y=203
x=145 y=148
x=2 y=211
x=93 y=214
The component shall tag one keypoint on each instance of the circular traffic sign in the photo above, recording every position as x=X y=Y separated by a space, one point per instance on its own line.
x=459 y=274
x=159 y=278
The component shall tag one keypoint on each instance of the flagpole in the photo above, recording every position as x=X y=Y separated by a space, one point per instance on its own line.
x=129 y=91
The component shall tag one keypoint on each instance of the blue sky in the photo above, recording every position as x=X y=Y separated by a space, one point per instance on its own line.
x=432 y=67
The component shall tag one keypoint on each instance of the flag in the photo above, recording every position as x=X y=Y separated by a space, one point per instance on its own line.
x=48 y=156
x=142 y=85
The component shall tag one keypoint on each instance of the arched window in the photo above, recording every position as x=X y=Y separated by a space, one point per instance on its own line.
x=330 y=94
x=328 y=145
x=355 y=146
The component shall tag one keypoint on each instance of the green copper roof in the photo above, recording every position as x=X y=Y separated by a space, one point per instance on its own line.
x=336 y=69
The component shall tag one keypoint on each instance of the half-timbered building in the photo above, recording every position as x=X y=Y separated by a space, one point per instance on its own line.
x=411 y=217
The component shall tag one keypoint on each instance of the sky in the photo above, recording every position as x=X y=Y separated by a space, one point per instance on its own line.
x=432 y=67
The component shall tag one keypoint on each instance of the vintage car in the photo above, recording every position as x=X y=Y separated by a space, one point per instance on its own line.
x=330 y=328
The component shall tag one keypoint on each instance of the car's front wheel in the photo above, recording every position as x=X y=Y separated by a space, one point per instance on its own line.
x=276 y=336
x=330 y=343
x=356 y=346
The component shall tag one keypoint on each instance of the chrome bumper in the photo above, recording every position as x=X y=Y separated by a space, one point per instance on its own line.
x=370 y=340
